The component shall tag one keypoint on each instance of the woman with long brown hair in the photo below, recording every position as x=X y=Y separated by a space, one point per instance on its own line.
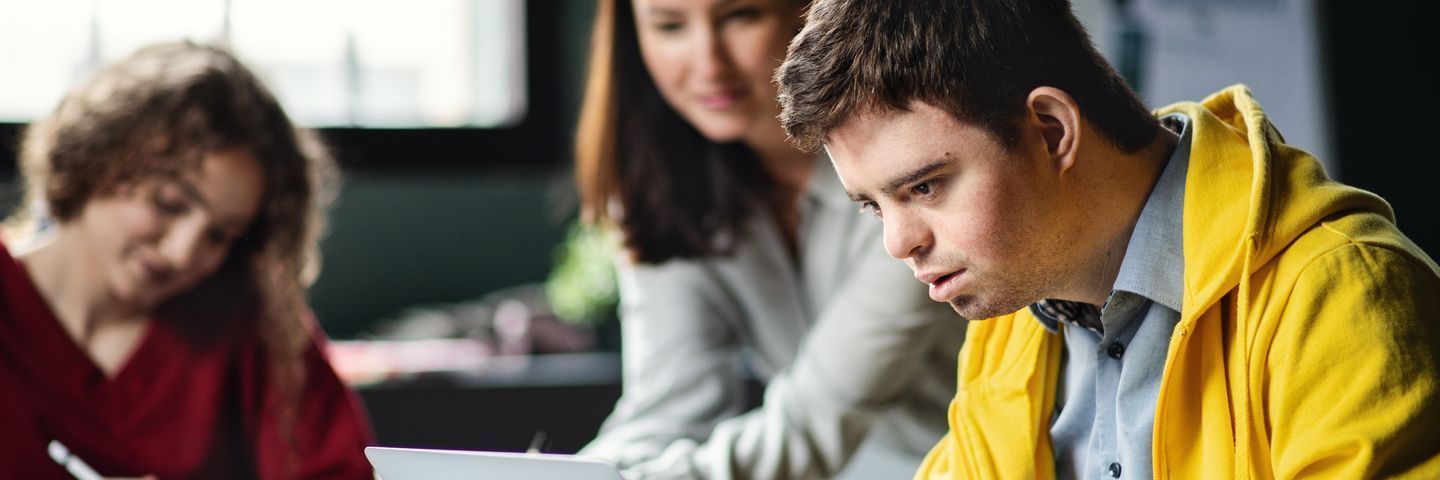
x=737 y=245
x=152 y=316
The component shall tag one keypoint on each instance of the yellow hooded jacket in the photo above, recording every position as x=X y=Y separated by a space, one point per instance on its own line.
x=1307 y=346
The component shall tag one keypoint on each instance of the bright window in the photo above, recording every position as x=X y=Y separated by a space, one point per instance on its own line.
x=365 y=63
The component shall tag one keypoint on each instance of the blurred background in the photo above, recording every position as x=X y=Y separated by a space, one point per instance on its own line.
x=461 y=298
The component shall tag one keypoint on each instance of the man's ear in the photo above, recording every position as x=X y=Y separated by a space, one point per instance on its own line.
x=1057 y=117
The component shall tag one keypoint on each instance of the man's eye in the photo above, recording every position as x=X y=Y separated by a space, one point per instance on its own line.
x=929 y=189
x=871 y=207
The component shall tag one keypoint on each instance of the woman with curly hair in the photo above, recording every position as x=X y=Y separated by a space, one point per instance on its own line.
x=152 y=311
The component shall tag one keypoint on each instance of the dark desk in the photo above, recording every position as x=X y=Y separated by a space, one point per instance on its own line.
x=501 y=407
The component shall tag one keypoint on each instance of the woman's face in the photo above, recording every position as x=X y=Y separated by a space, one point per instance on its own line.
x=712 y=60
x=161 y=236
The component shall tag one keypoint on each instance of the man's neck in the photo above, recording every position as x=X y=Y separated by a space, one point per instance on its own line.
x=1130 y=177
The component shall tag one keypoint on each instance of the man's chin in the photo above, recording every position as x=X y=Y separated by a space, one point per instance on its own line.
x=971 y=308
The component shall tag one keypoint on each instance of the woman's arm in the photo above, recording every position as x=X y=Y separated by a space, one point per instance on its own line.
x=875 y=342
x=680 y=360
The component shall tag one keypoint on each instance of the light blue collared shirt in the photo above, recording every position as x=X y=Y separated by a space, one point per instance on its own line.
x=1105 y=410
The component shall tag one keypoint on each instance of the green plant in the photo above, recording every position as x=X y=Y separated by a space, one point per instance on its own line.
x=582 y=287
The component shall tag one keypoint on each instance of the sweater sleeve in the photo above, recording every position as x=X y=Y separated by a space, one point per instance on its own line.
x=1354 y=369
x=680 y=362
x=860 y=358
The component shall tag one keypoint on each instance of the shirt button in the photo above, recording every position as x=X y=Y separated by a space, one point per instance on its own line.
x=1115 y=470
x=1116 y=350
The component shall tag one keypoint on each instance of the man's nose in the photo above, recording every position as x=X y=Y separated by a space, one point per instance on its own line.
x=906 y=236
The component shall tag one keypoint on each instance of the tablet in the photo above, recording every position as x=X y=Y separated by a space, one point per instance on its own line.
x=425 y=464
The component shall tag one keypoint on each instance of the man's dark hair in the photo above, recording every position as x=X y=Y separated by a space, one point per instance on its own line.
x=978 y=60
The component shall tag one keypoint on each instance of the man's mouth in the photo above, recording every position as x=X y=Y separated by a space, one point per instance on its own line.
x=943 y=286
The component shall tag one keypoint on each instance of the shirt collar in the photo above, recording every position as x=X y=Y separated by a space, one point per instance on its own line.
x=1051 y=313
x=1154 y=262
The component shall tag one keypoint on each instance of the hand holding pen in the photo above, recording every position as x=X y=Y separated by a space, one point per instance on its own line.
x=77 y=467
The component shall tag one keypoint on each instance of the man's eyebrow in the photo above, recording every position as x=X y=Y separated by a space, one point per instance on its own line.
x=914 y=175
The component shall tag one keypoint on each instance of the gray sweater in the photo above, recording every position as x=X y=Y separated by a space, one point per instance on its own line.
x=858 y=362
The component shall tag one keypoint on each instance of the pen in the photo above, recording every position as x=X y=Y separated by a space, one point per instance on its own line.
x=537 y=442
x=72 y=463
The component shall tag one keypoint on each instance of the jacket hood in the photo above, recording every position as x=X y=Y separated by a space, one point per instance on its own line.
x=1238 y=154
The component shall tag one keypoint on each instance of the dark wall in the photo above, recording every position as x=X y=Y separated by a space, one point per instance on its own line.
x=406 y=238
x=1380 y=64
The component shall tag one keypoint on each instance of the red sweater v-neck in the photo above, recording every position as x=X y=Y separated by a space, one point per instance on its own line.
x=189 y=403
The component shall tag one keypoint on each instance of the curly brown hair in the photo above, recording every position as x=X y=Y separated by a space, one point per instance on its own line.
x=159 y=113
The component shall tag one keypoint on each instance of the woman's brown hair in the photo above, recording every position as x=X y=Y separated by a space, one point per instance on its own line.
x=159 y=113
x=640 y=165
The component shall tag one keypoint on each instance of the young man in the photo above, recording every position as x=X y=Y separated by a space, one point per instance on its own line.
x=1218 y=307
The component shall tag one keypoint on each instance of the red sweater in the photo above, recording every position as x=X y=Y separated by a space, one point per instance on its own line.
x=193 y=401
